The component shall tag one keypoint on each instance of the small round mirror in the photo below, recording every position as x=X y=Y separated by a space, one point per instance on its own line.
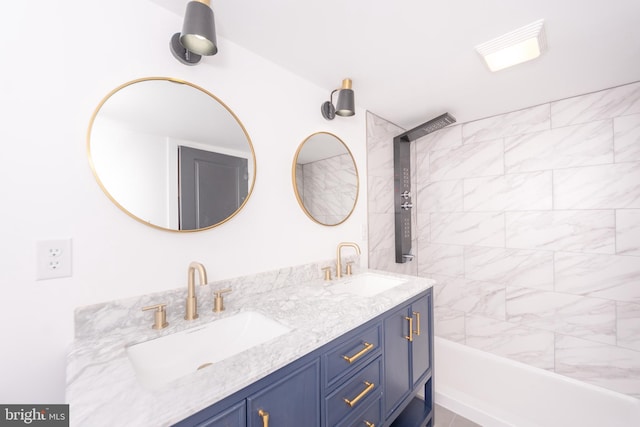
x=171 y=155
x=325 y=179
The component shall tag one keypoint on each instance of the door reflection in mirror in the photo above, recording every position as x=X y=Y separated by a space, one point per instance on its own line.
x=134 y=143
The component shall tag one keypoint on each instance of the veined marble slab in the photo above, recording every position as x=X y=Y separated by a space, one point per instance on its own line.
x=440 y=196
x=580 y=145
x=380 y=135
x=626 y=138
x=440 y=259
x=578 y=316
x=382 y=187
x=597 y=187
x=449 y=324
x=613 y=277
x=102 y=388
x=605 y=104
x=519 y=122
x=474 y=297
x=628 y=327
x=524 y=344
x=511 y=192
x=513 y=267
x=482 y=159
x=628 y=232
x=468 y=228
x=590 y=231
x=591 y=362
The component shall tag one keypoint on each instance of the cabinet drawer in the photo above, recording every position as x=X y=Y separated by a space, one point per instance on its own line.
x=371 y=414
x=355 y=394
x=352 y=354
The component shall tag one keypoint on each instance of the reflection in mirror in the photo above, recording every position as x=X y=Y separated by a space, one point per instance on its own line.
x=171 y=155
x=325 y=179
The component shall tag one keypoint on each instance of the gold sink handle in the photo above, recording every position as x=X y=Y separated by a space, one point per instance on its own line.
x=349 y=268
x=160 y=315
x=218 y=301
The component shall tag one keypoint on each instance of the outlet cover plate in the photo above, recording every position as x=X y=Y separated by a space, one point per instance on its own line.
x=53 y=259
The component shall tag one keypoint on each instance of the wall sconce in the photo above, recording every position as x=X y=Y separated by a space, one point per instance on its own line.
x=198 y=36
x=345 y=106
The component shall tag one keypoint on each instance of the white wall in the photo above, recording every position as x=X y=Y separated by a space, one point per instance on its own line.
x=138 y=181
x=59 y=61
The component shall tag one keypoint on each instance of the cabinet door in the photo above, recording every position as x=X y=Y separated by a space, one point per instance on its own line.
x=421 y=313
x=397 y=380
x=293 y=401
x=232 y=417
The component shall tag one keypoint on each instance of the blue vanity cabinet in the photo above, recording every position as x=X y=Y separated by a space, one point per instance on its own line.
x=232 y=417
x=292 y=401
x=347 y=400
x=369 y=376
x=289 y=397
x=407 y=353
x=352 y=376
x=217 y=416
x=351 y=352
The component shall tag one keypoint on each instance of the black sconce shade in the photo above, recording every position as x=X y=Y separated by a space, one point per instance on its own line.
x=345 y=106
x=198 y=36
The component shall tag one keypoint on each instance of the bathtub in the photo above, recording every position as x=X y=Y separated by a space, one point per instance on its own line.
x=497 y=392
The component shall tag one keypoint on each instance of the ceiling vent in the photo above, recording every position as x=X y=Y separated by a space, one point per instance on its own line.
x=515 y=47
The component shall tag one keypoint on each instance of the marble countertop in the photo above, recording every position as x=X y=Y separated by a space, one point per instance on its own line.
x=102 y=388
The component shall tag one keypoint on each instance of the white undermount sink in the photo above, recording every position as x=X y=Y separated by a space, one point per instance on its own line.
x=369 y=284
x=168 y=358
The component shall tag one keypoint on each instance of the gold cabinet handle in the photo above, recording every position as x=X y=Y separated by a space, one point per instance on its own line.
x=369 y=424
x=367 y=347
x=410 y=336
x=362 y=394
x=417 y=314
x=265 y=417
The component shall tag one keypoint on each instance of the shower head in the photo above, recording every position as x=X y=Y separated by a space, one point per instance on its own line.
x=402 y=182
x=428 y=127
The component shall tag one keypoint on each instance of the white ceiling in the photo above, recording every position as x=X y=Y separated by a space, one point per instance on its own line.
x=412 y=60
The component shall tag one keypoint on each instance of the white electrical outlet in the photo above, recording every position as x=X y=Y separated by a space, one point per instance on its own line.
x=53 y=259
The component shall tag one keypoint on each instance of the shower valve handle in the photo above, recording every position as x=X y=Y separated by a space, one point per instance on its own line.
x=405 y=194
x=406 y=206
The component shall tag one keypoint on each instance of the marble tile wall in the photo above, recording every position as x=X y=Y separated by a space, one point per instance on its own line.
x=381 y=217
x=530 y=223
x=323 y=188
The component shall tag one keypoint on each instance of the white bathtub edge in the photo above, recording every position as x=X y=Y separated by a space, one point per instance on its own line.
x=489 y=389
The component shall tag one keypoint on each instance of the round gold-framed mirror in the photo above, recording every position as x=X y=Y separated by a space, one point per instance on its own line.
x=171 y=155
x=325 y=179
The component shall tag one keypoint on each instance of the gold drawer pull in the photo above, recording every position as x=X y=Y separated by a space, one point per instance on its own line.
x=265 y=417
x=369 y=424
x=417 y=314
x=358 y=355
x=410 y=336
x=362 y=394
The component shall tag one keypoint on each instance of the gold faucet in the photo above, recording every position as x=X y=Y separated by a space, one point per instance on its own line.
x=192 y=301
x=339 y=261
